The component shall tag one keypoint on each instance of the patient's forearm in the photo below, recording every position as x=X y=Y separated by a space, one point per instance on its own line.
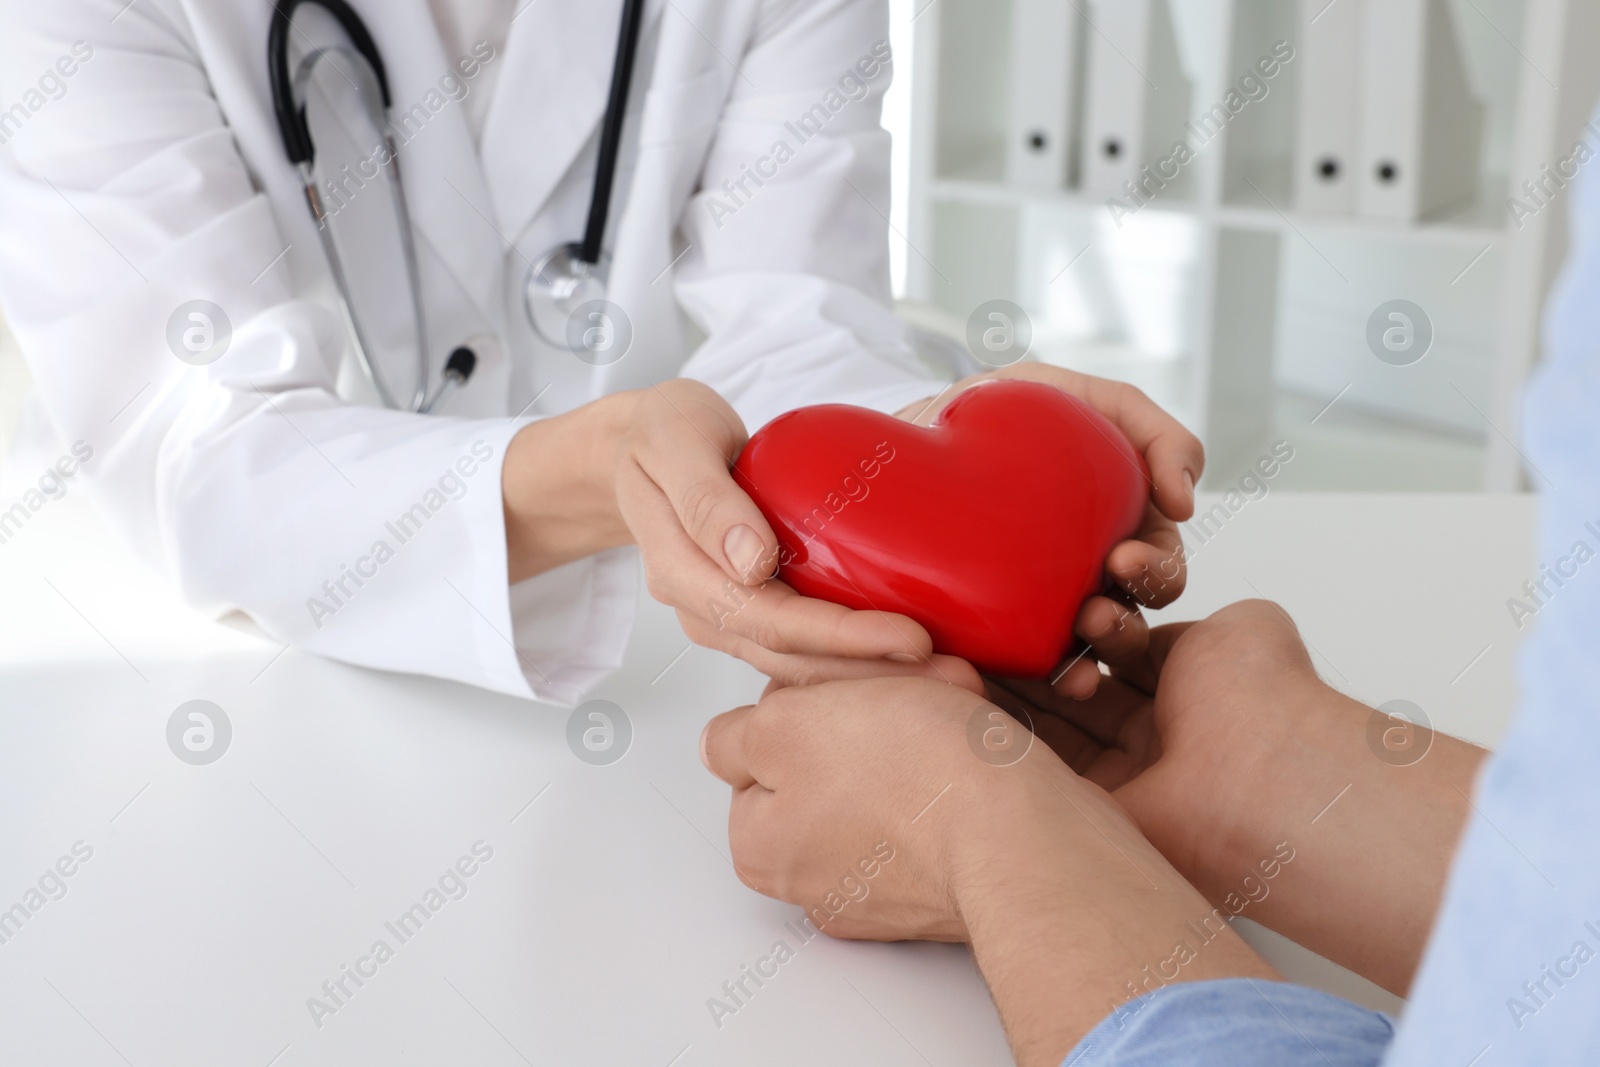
x=1373 y=829
x=1072 y=914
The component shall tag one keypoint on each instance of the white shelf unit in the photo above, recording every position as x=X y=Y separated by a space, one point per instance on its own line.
x=1219 y=275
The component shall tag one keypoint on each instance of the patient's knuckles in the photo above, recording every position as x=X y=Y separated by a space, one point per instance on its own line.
x=777 y=734
x=752 y=879
x=750 y=843
x=1253 y=640
x=1260 y=616
x=791 y=884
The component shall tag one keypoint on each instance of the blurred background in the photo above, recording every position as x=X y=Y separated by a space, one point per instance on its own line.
x=1341 y=156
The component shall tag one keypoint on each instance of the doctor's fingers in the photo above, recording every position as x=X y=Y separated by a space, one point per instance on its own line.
x=780 y=623
x=771 y=615
x=787 y=672
x=677 y=570
x=1174 y=455
x=686 y=440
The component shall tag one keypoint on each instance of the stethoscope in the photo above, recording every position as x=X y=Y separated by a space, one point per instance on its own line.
x=571 y=276
x=560 y=282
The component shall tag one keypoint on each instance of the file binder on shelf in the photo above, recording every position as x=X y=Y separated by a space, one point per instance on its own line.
x=1420 y=126
x=1325 y=158
x=1137 y=95
x=1047 y=40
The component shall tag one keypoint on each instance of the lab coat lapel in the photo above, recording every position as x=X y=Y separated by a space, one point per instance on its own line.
x=445 y=187
x=549 y=100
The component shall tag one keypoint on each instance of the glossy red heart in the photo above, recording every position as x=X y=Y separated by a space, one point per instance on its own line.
x=990 y=527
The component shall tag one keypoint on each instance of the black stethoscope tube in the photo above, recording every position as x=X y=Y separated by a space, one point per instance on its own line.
x=585 y=257
x=297 y=137
x=291 y=119
x=611 y=131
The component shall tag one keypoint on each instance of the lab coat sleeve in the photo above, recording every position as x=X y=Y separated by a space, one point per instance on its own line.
x=366 y=535
x=787 y=267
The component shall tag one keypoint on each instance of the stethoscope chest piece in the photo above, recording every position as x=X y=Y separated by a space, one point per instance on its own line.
x=559 y=284
x=565 y=293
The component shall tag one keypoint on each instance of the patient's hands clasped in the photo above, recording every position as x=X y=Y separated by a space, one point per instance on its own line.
x=1212 y=771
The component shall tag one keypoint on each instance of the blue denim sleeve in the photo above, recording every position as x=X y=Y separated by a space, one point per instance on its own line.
x=1236 y=1022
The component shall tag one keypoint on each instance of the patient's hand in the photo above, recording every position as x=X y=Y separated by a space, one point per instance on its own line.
x=1186 y=757
x=1221 y=741
x=870 y=804
x=853 y=789
x=1148 y=569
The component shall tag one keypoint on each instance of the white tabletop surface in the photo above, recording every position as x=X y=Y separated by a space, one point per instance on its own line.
x=219 y=898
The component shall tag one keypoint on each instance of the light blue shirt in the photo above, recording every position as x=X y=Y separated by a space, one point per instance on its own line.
x=1236 y=1022
x=1512 y=973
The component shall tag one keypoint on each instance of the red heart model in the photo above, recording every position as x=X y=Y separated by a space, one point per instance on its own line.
x=990 y=527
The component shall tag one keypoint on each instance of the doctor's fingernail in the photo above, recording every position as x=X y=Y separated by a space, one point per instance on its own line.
x=1188 y=484
x=705 y=737
x=744 y=549
x=902 y=657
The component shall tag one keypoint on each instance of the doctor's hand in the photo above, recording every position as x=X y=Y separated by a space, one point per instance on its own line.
x=709 y=553
x=1236 y=760
x=867 y=804
x=1147 y=570
x=651 y=467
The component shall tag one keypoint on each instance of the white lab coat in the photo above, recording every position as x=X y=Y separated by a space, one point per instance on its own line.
x=262 y=481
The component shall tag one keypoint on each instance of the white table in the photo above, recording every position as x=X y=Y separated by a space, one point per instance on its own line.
x=219 y=898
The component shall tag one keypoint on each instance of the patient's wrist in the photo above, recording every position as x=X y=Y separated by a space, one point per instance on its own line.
x=1072 y=913
x=1335 y=820
x=1283 y=769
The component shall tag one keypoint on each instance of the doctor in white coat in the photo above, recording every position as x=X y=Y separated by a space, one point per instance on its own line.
x=141 y=172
